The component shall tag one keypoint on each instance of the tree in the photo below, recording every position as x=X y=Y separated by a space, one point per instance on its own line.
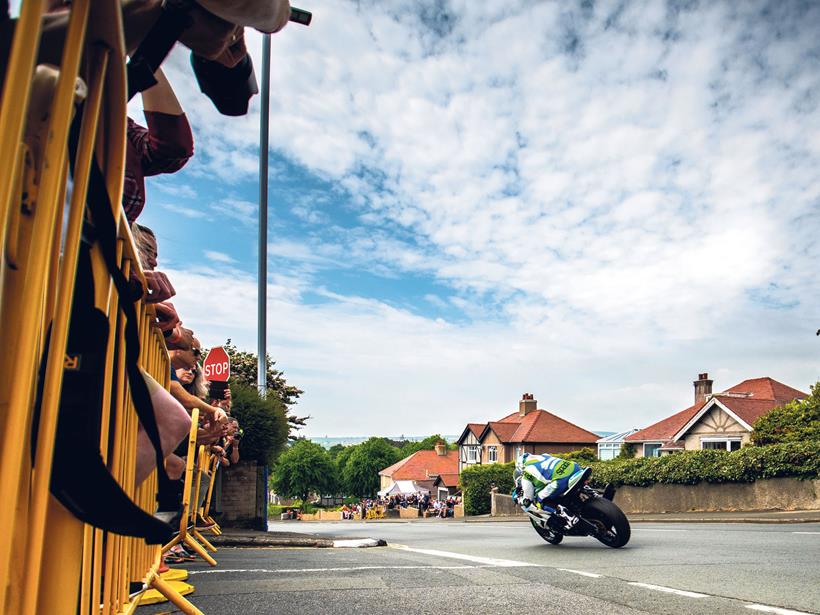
x=361 y=469
x=796 y=421
x=263 y=421
x=244 y=368
x=302 y=469
x=428 y=444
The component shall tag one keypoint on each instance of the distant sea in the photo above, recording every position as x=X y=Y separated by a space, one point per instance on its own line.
x=327 y=441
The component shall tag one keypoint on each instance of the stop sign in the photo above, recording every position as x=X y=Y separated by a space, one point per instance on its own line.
x=217 y=365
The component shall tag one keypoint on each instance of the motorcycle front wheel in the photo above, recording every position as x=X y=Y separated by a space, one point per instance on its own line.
x=612 y=524
x=554 y=538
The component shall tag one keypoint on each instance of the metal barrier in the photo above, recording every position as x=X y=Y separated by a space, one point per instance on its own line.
x=50 y=562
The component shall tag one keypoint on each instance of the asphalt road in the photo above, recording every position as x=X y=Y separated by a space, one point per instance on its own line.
x=451 y=567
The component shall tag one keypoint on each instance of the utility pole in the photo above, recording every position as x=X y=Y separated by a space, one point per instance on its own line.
x=262 y=314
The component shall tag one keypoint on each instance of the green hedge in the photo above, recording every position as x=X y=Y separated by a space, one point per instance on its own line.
x=794 y=459
x=476 y=482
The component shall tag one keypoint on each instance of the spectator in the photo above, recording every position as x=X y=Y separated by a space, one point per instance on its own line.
x=163 y=147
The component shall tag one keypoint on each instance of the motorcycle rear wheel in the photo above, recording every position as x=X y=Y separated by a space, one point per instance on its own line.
x=613 y=526
x=554 y=538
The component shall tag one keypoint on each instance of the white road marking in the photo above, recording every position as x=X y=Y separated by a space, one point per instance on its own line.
x=487 y=561
x=774 y=609
x=670 y=590
x=358 y=542
x=582 y=573
x=335 y=569
x=810 y=533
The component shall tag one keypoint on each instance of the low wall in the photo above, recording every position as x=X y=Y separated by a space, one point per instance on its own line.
x=761 y=495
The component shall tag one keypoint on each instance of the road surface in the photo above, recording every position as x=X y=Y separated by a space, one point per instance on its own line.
x=454 y=567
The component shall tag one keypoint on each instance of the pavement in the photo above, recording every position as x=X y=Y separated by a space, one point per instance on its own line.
x=453 y=567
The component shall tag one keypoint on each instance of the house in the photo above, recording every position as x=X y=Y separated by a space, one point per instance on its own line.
x=528 y=430
x=715 y=421
x=610 y=446
x=421 y=468
x=445 y=485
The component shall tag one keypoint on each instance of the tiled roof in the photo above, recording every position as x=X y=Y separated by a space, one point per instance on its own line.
x=677 y=445
x=504 y=431
x=666 y=428
x=749 y=409
x=539 y=426
x=543 y=426
x=749 y=400
x=449 y=479
x=766 y=388
x=422 y=465
x=474 y=428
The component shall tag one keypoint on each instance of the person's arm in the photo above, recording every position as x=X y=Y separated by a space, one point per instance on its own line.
x=235 y=452
x=161 y=97
x=190 y=402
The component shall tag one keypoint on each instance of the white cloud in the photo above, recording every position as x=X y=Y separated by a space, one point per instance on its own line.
x=219 y=257
x=632 y=191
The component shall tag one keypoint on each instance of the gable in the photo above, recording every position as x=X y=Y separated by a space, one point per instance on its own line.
x=715 y=421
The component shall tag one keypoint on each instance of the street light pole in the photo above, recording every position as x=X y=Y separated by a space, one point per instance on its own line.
x=262 y=314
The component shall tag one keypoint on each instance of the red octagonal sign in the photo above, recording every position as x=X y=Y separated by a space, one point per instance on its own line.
x=217 y=365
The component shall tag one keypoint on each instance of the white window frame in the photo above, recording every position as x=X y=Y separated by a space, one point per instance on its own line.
x=612 y=447
x=472 y=454
x=657 y=449
x=492 y=454
x=727 y=439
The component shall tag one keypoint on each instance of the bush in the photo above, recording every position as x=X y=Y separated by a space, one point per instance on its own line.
x=476 y=482
x=263 y=421
x=794 y=459
x=796 y=421
x=585 y=456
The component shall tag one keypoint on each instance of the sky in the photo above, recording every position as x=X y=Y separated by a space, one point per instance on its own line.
x=592 y=202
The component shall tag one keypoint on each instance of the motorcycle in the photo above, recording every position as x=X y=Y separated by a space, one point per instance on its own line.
x=580 y=511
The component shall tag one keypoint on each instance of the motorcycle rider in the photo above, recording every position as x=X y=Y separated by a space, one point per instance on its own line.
x=540 y=481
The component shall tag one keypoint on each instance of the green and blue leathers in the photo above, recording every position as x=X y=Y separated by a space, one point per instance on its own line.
x=544 y=479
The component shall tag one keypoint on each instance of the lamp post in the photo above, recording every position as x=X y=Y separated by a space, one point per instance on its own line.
x=262 y=308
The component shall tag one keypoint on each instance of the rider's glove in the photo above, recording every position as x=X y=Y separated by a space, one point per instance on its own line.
x=526 y=503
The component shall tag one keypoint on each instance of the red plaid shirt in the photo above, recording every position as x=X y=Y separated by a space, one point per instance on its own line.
x=164 y=147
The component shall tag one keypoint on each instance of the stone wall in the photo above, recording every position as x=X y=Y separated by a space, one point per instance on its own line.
x=244 y=496
x=761 y=495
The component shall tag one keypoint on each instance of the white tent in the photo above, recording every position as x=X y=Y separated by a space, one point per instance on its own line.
x=404 y=487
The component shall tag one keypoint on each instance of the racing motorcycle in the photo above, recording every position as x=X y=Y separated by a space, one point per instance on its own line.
x=579 y=511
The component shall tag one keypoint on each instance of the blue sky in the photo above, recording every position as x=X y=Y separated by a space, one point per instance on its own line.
x=592 y=202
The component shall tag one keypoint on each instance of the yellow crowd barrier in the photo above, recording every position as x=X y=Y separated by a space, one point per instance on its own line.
x=50 y=562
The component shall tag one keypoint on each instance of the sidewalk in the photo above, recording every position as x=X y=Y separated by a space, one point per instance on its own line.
x=256 y=538
x=779 y=516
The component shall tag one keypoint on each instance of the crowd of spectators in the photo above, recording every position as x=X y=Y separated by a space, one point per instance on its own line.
x=426 y=505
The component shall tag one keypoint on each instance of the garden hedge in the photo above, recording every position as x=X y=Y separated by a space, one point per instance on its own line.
x=476 y=482
x=792 y=459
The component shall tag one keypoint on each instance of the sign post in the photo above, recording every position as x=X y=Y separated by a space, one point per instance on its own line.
x=217 y=370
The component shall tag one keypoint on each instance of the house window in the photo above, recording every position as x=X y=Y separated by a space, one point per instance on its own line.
x=492 y=454
x=652 y=450
x=720 y=444
x=472 y=454
x=608 y=450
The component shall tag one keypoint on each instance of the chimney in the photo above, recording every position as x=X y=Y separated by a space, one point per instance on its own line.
x=527 y=404
x=703 y=388
x=441 y=448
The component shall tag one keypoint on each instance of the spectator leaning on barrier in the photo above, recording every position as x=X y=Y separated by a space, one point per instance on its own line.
x=163 y=147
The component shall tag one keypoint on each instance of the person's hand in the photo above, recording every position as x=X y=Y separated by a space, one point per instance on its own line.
x=159 y=287
x=167 y=316
x=220 y=416
x=218 y=450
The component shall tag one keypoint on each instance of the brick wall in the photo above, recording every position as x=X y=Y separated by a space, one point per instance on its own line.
x=244 y=496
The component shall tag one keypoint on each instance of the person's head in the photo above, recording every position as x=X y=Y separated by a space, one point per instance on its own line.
x=147 y=246
x=186 y=375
